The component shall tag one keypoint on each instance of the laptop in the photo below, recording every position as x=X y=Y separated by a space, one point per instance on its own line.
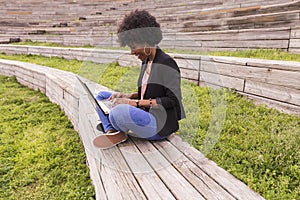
x=104 y=105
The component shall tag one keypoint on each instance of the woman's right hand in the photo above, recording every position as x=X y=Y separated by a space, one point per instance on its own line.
x=116 y=95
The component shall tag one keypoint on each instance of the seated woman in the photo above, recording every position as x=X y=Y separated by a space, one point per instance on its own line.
x=153 y=112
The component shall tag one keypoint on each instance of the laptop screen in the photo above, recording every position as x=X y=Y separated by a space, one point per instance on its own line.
x=104 y=105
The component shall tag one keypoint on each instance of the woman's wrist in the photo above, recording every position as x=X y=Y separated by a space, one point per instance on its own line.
x=147 y=103
x=134 y=102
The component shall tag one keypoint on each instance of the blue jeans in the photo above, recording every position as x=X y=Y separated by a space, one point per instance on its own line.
x=129 y=119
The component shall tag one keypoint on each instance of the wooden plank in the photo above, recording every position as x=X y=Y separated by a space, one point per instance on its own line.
x=280 y=44
x=6 y=69
x=100 y=192
x=168 y=42
x=170 y=176
x=200 y=180
x=268 y=17
x=294 y=50
x=26 y=83
x=189 y=74
x=270 y=103
x=53 y=91
x=88 y=120
x=274 y=64
x=285 y=23
x=70 y=105
x=221 y=80
x=185 y=62
x=224 y=59
x=118 y=181
x=234 y=35
x=295 y=43
x=38 y=84
x=235 y=187
x=224 y=69
x=268 y=74
x=295 y=33
x=151 y=184
x=274 y=92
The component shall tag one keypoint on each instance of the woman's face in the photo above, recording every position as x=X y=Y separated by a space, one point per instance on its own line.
x=138 y=50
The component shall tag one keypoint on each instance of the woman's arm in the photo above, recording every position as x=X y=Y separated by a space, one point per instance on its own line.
x=133 y=95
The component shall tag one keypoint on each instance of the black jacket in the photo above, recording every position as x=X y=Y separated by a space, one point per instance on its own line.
x=164 y=86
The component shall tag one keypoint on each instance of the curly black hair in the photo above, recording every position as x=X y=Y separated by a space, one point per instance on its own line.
x=139 y=27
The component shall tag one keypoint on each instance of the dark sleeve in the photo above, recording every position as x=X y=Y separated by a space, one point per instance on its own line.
x=170 y=75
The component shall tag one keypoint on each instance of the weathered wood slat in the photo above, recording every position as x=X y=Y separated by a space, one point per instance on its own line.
x=280 y=44
x=201 y=181
x=53 y=91
x=235 y=187
x=273 y=64
x=233 y=35
x=272 y=76
x=181 y=43
x=172 y=178
x=294 y=50
x=100 y=193
x=189 y=74
x=190 y=62
x=118 y=181
x=295 y=33
x=248 y=19
x=295 y=43
x=6 y=68
x=151 y=184
x=221 y=80
x=280 y=93
x=270 y=103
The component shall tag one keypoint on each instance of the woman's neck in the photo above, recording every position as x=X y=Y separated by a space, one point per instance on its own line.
x=152 y=54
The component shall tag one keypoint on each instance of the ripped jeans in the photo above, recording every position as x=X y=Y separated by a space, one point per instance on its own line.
x=129 y=119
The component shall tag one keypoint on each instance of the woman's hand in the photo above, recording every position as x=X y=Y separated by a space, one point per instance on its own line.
x=121 y=95
x=117 y=101
x=116 y=95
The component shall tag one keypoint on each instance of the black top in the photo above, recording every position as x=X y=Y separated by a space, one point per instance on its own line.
x=164 y=86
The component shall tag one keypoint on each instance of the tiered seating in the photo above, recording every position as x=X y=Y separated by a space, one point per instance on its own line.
x=79 y=22
x=279 y=15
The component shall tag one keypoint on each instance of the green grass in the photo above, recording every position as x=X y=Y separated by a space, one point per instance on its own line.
x=41 y=156
x=47 y=44
x=260 y=146
x=269 y=54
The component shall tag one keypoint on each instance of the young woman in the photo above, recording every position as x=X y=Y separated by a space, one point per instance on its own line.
x=153 y=112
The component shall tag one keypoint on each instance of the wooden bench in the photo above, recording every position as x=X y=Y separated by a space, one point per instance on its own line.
x=176 y=15
x=135 y=169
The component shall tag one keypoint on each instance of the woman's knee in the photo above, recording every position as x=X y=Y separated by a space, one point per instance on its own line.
x=117 y=117
x=126 y=114
x=119 y=111
x=103 y=95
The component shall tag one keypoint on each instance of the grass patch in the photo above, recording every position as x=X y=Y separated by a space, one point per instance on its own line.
x=260 y=146
x=47 y=44
x=269 y=54
x=42 y=157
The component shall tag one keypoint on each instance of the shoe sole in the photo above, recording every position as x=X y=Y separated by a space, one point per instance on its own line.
x=109 y=140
